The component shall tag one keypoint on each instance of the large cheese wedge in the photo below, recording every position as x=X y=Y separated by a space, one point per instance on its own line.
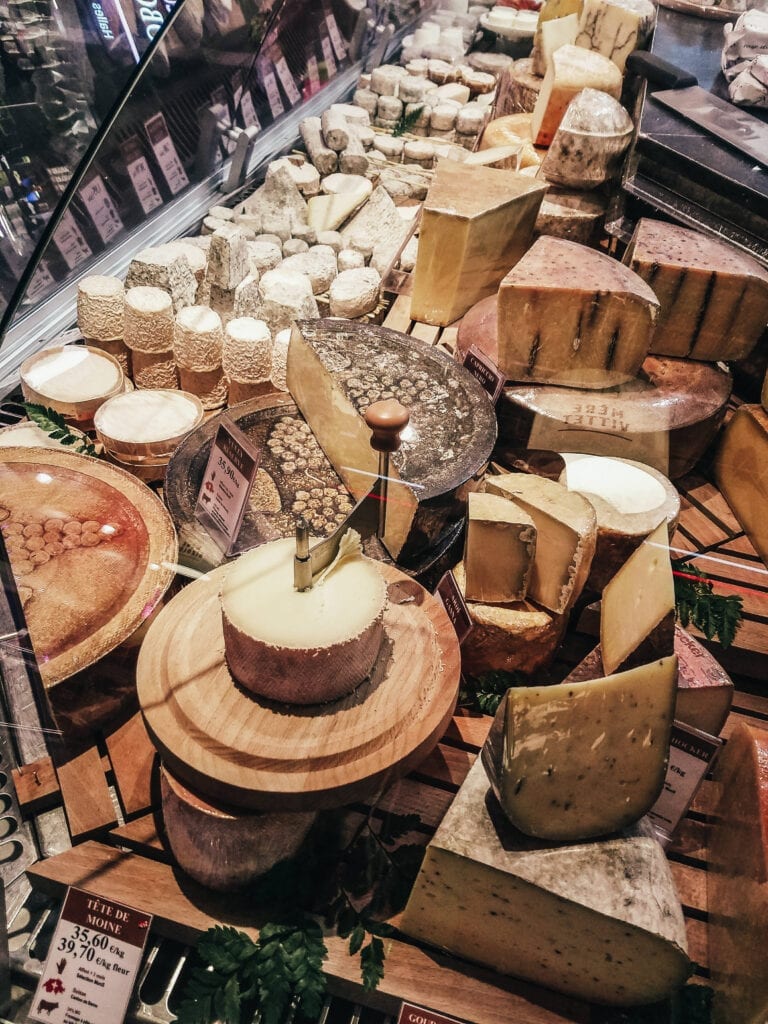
x=570 y=70
x=570 y=315
x=637 y=620
x=737 y=880
x=476 y=223
x=741 y=472
x=566 y=535
x=616 y=27
x=499 y=550
x=587 y=759
x=714 y=299
x=598 y=920
x=590 y=142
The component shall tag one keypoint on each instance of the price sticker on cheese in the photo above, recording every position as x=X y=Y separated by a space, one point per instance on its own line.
x=69 y=240
x=142 y=179
x=691 y=753
x=412 y=1014
x=485 y=371
x=103 y=211
x=166 y=153
x=227 y=482
x=93 y=959
x=448 y=593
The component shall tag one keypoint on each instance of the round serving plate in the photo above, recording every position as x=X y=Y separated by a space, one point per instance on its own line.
x=82 y=597
x=230 y=745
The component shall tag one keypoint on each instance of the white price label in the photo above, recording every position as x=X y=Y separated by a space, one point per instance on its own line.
x=248 y=111
x=93 y=959
x=285 y=76
x=691 y=753
x=42 y=282
x=333 y=30
x=313 y=73
x=227 y=482
x=68 y=239
x=273 y=94
x=166 y=154
x=144 y=184
x=103 y=211
x=330 y=63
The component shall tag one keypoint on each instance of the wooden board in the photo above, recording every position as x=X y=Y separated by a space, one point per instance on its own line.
x=234 y=747
x=82 y=601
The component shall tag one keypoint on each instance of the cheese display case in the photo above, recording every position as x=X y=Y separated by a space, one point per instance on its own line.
x=381 y=534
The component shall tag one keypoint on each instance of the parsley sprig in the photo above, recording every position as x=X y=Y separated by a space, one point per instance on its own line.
x=484 y=693
x=716 y=615
x=56 y=427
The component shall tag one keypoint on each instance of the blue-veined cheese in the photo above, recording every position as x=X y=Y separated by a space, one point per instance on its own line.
x=616 y=27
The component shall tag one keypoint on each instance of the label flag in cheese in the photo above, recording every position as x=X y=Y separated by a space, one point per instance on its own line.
x=737 y=880
x=570 y=315
x=593 y=136
x=714 y=299
x=570 y=70
x=637 y=619
x=587 y=759
x=476 y=223
x=566 y=535
x=616 y=27
x=741 y=472
x=499 y=550
x=597 y=920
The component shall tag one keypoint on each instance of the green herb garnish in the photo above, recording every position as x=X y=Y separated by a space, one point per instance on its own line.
x=716 y=615
x=407 y=121
x=484 y=693
x=54 y=425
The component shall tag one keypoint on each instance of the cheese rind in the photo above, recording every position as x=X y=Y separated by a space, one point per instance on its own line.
x=589 y=143
x=597 y=920
x=741 y=474
x=551 y=10
x=499 y=550
x=550 y=36
x=570 y=70
x=587 y=759
x=100 y=304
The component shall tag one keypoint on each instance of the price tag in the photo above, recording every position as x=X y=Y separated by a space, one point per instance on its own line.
x=273 y=93
x=313 y=73
x=68 y=239
x=103 y=211
x=42 y=282
x=339 y=46
x=691 y=753
x=412 y=1014
x=285 y=76
x=166 y=154
x=226 y=487
x=330 y=63
x=248 y=111
x=452 y=599
x=141 y=176
x=485 y=371
x=93 y=960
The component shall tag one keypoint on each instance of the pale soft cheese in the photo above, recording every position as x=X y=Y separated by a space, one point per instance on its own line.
x=73 y=374
x=627 y=489
x=147 y=416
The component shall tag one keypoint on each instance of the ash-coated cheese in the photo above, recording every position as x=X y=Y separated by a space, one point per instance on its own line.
x=100 y=304
x=616 y=27
x=570 y=315
x=161 y=268
x=305 y=176
x=286 y=296
x=740 y=472
x=377 y=224
x=148 y=320
x=193 y=254
x=587 y=759
x=566 y=536
x=571 y=69
x=198 y=338
x=714 y=298
x=499 y=550
x=589 y=143
x=319 y=265
x=476 y=223
x=247 y=350
x=247 y=298
x=228 y=258
x=355 y=292
x=279 y=200
x=597 y=920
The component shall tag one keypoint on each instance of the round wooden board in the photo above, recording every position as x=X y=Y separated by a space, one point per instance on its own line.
x=234 y=747
x=85 y=600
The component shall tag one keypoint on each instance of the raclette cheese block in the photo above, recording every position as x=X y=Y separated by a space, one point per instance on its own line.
x=476 y=223
x=499 y=550
x=741 y=472
x=637 y=620
x=597 y=920
x=304 y=647
x=587 y=759
x=570 y=315
x=570 y=70
x=714 y=299
x=737 y=880
x=566 y=535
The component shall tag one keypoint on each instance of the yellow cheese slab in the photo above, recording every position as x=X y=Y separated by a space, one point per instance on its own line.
x=499 y=550
x=741 y=472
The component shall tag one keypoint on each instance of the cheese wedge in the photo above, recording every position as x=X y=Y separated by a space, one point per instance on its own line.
x=566 y=534
x=587 y=759
x=570 y=315
x=741 y=472
x=329 y=212
x=551 y=10
x=637 y=620
x=499 y=550
x=616 y=27
x=553 y=34
x=570 y=70
x=476 y=223
x=714 y=299
x=598 y=920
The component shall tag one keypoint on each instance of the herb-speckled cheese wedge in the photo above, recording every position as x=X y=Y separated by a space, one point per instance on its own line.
x=587 y=759
x=598 y=920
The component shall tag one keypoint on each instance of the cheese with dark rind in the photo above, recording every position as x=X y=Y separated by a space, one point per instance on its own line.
x=737 y=880
x=713 y=298
x=586 y=759
x=518 y=89
x=499 y=549
x=476 y=223
x=598 y=920
x=741 y=472
x=570 y=70
x=589 y=143
x=570 y=315
x=574 y=216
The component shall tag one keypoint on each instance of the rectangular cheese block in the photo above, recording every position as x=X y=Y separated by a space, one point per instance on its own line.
x=499 y=551
x=737 y=880
x=615 y=27
x=573 y=316
x=476 y=223
x=740 y=472
x=714 y=298
x=597 y=920
x=566 y=535
x=570 y=70
x=637 y=619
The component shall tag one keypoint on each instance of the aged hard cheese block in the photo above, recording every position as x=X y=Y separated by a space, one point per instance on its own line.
x=499 y=550
x=570 y=70
x=572 y=215
x=566 y=534
x=714 y=299
x=741 y=472
x=587 y=759
x=598 y=920
x=737 y=880
x=616 y=27
x=476 y=223
x=570 y=315
x=637 y=618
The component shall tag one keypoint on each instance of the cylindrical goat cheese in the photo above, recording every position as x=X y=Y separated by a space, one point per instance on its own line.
x=198 y=339
x=154 y=370
x=247 y=355
x=100 y=304
x=355 y=292
x=280 y=358
x=385 y=80
x=148 y=320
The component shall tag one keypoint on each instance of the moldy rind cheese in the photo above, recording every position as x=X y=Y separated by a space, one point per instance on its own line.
x=100 y=304
x=714 y=299
x=570 y=315
x=499 y=550
x=571 y=70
